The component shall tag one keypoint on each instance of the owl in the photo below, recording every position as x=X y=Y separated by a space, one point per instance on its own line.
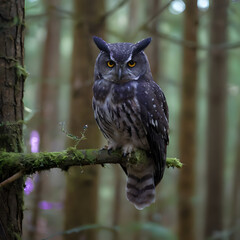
x=132 y=113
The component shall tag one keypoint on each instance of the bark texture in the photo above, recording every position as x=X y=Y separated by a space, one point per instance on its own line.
x=82 y=186
x=216 y=122
x=187 y=144
x=12 y=76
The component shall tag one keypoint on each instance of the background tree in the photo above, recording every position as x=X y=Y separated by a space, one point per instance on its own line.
x=47 y=117
x=216 y=120
x=235 y=206
x=154 y=48
x=12 y=76
x=187 y=140
x=82 y=184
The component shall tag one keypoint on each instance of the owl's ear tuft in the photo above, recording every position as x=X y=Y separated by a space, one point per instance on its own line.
x=141 y=45
x=101 y=44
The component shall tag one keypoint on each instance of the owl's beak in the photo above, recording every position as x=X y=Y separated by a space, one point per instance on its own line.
x=119 y=73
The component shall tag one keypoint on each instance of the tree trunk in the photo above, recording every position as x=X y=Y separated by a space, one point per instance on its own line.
x=187 y=144
x=133 y=17
x=81 y=192
x=235 y=206
x=49 y=86
x=12 y=76
x=216 y=125
x=153 y=49
x=48 y=99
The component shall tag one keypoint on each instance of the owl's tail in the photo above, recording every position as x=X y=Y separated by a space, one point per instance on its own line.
x=140 y=187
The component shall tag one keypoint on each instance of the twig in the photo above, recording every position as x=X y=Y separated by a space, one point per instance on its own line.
x=150 y=19
x=191 y=44
x=110 y=12
x=76 y=139
x=155 y=15
x=11 y=179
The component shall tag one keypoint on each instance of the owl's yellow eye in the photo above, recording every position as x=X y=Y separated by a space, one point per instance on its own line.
x=131 y=63
x=110 y=63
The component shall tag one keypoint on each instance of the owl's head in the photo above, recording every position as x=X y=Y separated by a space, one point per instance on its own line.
x=121 y=62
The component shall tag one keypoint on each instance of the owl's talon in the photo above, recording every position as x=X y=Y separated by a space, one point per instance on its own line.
x=126 y=155
x=105 y=147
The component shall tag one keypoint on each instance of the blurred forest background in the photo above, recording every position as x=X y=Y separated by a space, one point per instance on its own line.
x=195 y=58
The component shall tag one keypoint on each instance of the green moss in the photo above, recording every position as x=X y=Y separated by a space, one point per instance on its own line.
x=174 y=162
x=12 y=124
x=21 y=71
x=13 y=143
x=11 y=163
x=8 y=165
x=17 y=236
x=88 y=153
x=140 y=156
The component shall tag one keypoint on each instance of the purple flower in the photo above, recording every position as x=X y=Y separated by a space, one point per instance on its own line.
x=34 y=141
x=49 y=205
x=29 y=186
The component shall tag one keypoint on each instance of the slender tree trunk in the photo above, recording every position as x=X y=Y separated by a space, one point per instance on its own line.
x=81 y=192
x=49 y=87
x=187 y=144
x=154 y=48
x=216 y=122
x=12 y=76
x=133 y=17
x=235 y=206
x=48 y=99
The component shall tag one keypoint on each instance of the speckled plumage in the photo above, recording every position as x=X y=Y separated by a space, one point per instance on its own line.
x=131 y=111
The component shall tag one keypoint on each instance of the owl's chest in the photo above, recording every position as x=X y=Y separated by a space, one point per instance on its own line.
x=105 y=91
x=118 y=116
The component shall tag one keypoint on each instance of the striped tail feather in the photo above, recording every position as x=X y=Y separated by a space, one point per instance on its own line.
x=140 y=187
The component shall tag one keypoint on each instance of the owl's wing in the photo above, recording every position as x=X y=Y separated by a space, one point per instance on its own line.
x=154 y=115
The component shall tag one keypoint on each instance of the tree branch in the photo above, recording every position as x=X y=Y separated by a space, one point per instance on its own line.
x=28 y=163
x=191 y=44
x=11 y=179
x=152 y=18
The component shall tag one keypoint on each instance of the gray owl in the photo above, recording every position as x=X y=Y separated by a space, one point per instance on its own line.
x=132 y=113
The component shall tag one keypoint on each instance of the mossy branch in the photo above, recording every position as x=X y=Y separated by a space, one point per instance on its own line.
x=29 y=163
